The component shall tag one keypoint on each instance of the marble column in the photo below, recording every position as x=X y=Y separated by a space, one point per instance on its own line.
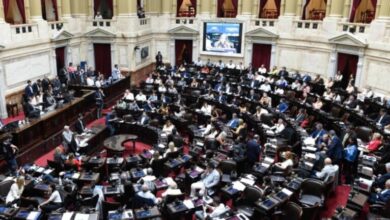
x=384 y=10
x=65 y=9
x=290 y=8
x=347 y=9
x=127 y=7
x=2 y=19
x=299 y=8
x=336 y=8
x=246 y=8
x=205 y=6
x=35 y=10
x=166 y=6
x=3 y=108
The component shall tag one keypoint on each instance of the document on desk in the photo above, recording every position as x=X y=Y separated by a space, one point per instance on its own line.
x=238 y=186
x=33 y=215
x=247 y=181
x=287 y=192
x=189 y=204
x=80 y=216
x=67 y=216
x=76 y=176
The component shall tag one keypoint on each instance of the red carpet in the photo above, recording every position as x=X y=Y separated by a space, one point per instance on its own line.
x=338 y=198
x=12 y=119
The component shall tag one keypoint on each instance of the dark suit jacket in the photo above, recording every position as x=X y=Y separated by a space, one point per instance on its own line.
x=29 y=91
x=79 y=126
x=252 y=151
x=385 y=121
x=335 y=149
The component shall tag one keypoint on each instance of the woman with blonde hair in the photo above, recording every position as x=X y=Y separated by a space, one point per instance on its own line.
x=16 y=190
x=375 y=142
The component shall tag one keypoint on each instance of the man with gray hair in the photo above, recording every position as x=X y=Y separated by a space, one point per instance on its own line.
x=146 y=194
x=327 y=170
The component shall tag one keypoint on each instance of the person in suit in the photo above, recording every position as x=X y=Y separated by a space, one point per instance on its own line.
x=144 y=119
x=67 y=136
x=318 y=133
x=99 y=99
x=383 y=119
x=252 y=95
x=335 y=148
x=381 y=196
x=253 y=150
x=233 y=123
x=80 y=126
x=32 y=111
x=37 y=87
x=283 y=106
x=351 y=102
x=28 y=90
x=116 y=73
x=283 y=72
x=110 y=118
x=221 y=98
x=49 y=102
x=210 y=178
x=381 y=179
x=159 y=59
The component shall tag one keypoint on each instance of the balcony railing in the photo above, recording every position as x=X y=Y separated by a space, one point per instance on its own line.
x=24 y=32
x=56 y=25
x=308 y=24
x=184 y=20
x=263 y=22
x=353 y=27
x=102 y=23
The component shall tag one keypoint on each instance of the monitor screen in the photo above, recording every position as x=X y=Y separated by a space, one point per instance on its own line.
x=222 y=38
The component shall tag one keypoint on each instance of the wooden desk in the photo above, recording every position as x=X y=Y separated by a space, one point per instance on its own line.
x=112 y=91
x=89 y=177
x=147 y=214
x=114 y=144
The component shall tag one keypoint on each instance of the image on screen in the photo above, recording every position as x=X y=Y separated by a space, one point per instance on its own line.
x=222 y=37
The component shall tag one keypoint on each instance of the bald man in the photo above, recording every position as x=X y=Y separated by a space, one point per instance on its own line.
x=146 y=194
x=327 y=170
x=381 y=196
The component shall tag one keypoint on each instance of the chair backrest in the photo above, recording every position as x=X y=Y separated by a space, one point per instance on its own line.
x=173 y=155
x=292 y=211
x=227 y=166
x=172 y=198
x=364 y=133
x=312 y=187
x=311 y=212
x=55 y=165
x=139 y=202
x=252 y=194
x=109 y=206
x=90 y=201
x=267 y=119
x=335 y=112
x=5 y=186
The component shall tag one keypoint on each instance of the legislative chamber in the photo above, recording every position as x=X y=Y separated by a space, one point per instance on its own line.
x=194 y=109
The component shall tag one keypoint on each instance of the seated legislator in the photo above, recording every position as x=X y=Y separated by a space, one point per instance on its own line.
x=168 y=127
x=210 y=178
x=287 y=163
x=381 y=195
x=328 y=170
x=128 y=96
x=54 y=202
x=146 y=194
x=375 y=143
x=16 y=190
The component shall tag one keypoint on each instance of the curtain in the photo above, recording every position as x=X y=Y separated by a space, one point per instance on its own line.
x=96 y=6
x=55 y=9
x=269 y=5
x=60 y=57
x=6 y=7
x=220 y=12
x=182 y=9
x=355 y=5
x=261 y=54
x=304 y=9
x=20 y=4
x=314 y=10
x=103 y=58
x=43 y=7
x=347 y=65
x=183 y=51
x=110 y=5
